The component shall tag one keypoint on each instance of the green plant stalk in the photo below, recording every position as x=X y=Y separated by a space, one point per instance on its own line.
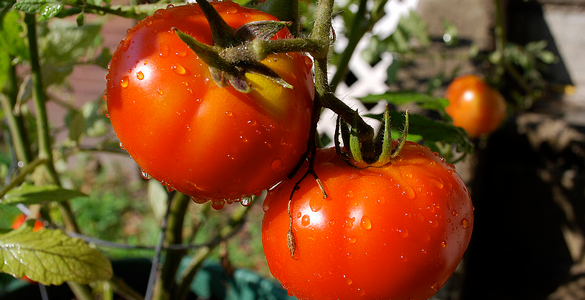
x=236 y=221
x=24 y=172
x=16 y=126
x=166 y=284
x=359 y=27
x=82 y=292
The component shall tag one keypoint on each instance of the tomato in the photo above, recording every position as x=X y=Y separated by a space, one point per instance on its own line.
x=184 y=130
x=21 y=218
x=394 y=232
x=475 y=106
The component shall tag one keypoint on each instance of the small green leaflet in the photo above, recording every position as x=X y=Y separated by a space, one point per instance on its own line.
x=51 y=257
x=29 y=194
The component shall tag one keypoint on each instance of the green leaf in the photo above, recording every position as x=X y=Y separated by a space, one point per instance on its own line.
x=64 y=44
x=35 y=6
x=30 y=194
x=51 y=257
x=49 y=10
x=400 y=98
x=11 y=40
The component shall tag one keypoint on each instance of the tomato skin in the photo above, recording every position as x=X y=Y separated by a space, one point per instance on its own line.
x=21 y=218
x=396 y=232
x=190 y=134
x=475 y=106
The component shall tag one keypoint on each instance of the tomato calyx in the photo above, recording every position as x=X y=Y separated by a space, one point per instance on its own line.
x=384 y=147
x=229 y=58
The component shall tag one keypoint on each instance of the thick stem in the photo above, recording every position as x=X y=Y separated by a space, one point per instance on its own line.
x=237 y=219
x=165 y=286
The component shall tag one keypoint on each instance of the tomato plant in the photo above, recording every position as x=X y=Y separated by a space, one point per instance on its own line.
x=475 y=106
x=194 y=136
x=393 y=232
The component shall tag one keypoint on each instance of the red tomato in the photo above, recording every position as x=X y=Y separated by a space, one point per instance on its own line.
x=395 y=232
x=21 y=218
x=192 y=135
x=475 y=106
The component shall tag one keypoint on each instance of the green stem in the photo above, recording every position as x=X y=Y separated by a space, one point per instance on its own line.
x=40 y=99
x=18 y=133
x=82 y=292
x=237 y=219
x=165 y=286
x=24 y=172
x=359 y=27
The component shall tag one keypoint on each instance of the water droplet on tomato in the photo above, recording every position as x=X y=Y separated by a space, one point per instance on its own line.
x=170 y=6
x=148 y=23
x=347 y=280
x=178 y=69
x=217 y=204
x=277 y=165
x=199 y=200
x=350 y=194
x=124 y=82
x=352 y=239
x=349 y=222
x=366 y=223
x=316 y=203
x=160 y=92
x=454 y=213
x=381 y=200
x=436 y=182
x=436 y=286
x=252 y=122
x=403 y=233
x=465 y=223
x=232 y=9
x=246 y=201
x=181 y=53
x=170 y=188
x=144 y=174
x=443 y=244
x=161 y=14
x=306 y=220
x=121 y=146
x=229 y=113
x=140 y=75
x=403 y=258
x=164 y=50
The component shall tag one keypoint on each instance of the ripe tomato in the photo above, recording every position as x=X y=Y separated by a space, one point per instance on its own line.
x=395 y=232
x=21 y=218
x=192 y=135
x=475 y=106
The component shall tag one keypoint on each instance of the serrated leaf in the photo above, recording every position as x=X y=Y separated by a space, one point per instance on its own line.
x=51 y=257
x=49 y=10
x=30 y=194
x=34 y=6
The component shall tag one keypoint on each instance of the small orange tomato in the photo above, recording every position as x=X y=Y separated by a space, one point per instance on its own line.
x=475 y=106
